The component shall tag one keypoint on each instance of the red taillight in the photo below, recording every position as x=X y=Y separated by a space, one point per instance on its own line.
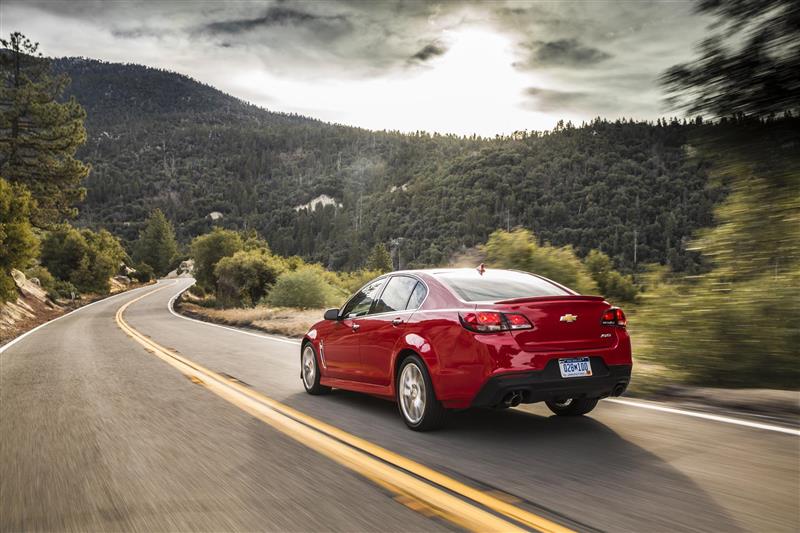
x=614 y=317
x=518 y=321
x=492 y=321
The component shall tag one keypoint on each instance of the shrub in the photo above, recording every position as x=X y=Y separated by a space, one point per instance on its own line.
x=611 y=283
x=46 y=279
x=18 y=244
x=350 y=282
x=143 y=273
x=64 y=290
x=85 y=258
x=208 y=249
x=244 y=278
x=305 y=287
x=520 y=250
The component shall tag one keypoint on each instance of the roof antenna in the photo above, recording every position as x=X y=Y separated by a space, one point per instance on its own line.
x=481 y=269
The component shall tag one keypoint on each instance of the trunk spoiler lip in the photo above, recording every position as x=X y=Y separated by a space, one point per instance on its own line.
x=569 y=298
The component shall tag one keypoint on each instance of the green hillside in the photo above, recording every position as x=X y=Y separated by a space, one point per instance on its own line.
x=160 y=139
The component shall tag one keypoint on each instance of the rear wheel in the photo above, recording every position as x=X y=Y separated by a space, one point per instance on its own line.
x=572 y=406
x=309 y=371
x=420 y=409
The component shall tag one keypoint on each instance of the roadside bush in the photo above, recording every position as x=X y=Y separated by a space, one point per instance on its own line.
x=18 y=244
x=612 y=285
x=305 y=288
x=64 y=290
x=208 y=249
x=85 y=258
x=520 y=250
x=143 y=273
x=208 y=301
x=350 y=282
x=46 y=279
x=244 y=278
x=716 y=333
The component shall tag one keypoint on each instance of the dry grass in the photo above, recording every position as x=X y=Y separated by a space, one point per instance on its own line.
x=280 y=321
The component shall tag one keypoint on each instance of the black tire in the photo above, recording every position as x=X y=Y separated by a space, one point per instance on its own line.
x=433 y=414
x=311 y=381
x=572 y=406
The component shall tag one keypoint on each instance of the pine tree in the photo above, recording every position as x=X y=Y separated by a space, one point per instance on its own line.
x=379 y=259
x=38 y=134
x=156 y=246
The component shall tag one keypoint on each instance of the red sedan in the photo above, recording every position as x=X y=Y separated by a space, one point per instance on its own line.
x=444 y=339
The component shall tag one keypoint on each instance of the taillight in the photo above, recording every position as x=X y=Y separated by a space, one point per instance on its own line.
x=492 y=321
x=614 y=317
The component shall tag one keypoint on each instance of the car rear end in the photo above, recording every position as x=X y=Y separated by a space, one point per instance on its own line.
x=538 y=340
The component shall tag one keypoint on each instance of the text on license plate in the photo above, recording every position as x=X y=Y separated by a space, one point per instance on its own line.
x=575 y=367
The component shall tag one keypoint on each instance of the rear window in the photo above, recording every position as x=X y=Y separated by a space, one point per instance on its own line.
x=495 y=285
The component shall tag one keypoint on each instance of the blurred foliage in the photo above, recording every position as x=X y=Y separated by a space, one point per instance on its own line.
x=156 y=246
x=736 y=324
x=749 y=65
x=208 y=249
x=85 y=258
x=18 y=244
x=304 y=288
x=39 y=131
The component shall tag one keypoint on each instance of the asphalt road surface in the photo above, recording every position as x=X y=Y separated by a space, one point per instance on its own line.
x=97 y=433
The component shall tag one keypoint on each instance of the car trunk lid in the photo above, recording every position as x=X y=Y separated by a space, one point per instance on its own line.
x=561 y=323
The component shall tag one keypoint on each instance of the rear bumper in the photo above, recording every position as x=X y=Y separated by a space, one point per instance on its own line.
x=548 y=384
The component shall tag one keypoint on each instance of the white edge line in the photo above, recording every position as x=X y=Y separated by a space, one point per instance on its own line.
x=705 y=416
x=171 y=304
x=15 y=340
x=631 y=403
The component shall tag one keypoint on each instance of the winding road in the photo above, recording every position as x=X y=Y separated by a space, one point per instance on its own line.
x=126 y=416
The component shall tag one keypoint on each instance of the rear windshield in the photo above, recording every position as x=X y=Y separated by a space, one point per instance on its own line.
x=495 y=285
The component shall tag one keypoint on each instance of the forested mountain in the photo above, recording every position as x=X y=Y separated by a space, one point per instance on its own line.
x=157 y=139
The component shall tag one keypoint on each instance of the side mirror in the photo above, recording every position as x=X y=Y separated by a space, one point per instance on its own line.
x=332 y=314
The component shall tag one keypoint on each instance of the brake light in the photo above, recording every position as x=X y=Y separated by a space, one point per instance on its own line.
x=492 y=321
x=614 y=317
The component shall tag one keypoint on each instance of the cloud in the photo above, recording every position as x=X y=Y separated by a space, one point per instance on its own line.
x=427 y=52
x=573 y=103
x=274 y=16
x=562 y=53
x=572 y=60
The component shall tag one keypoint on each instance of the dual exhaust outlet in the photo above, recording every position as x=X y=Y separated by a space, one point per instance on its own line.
x=514 y=398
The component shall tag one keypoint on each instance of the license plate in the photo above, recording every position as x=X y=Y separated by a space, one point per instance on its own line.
x=575 y=367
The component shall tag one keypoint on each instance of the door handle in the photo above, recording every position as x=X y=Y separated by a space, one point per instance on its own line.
x=355 y=327
x=397 y=321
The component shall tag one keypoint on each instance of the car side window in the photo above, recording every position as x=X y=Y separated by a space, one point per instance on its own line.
x=396 y=294
x=360 y=303
x=417 y=296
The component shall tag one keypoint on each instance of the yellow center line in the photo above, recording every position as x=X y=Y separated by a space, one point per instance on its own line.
x=384 y=467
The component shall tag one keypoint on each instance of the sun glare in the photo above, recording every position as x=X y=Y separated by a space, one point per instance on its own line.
x=472 y=88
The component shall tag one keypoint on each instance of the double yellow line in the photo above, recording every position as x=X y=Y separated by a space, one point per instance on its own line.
x=416 y=485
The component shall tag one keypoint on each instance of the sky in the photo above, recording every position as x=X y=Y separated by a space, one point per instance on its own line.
x=450 y=67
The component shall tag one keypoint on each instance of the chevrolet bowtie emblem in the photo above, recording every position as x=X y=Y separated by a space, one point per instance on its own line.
x=568 y=318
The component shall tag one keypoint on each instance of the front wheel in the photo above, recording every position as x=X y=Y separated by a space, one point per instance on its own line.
x=420 y=409
x=572 y=406
x=309 y=371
